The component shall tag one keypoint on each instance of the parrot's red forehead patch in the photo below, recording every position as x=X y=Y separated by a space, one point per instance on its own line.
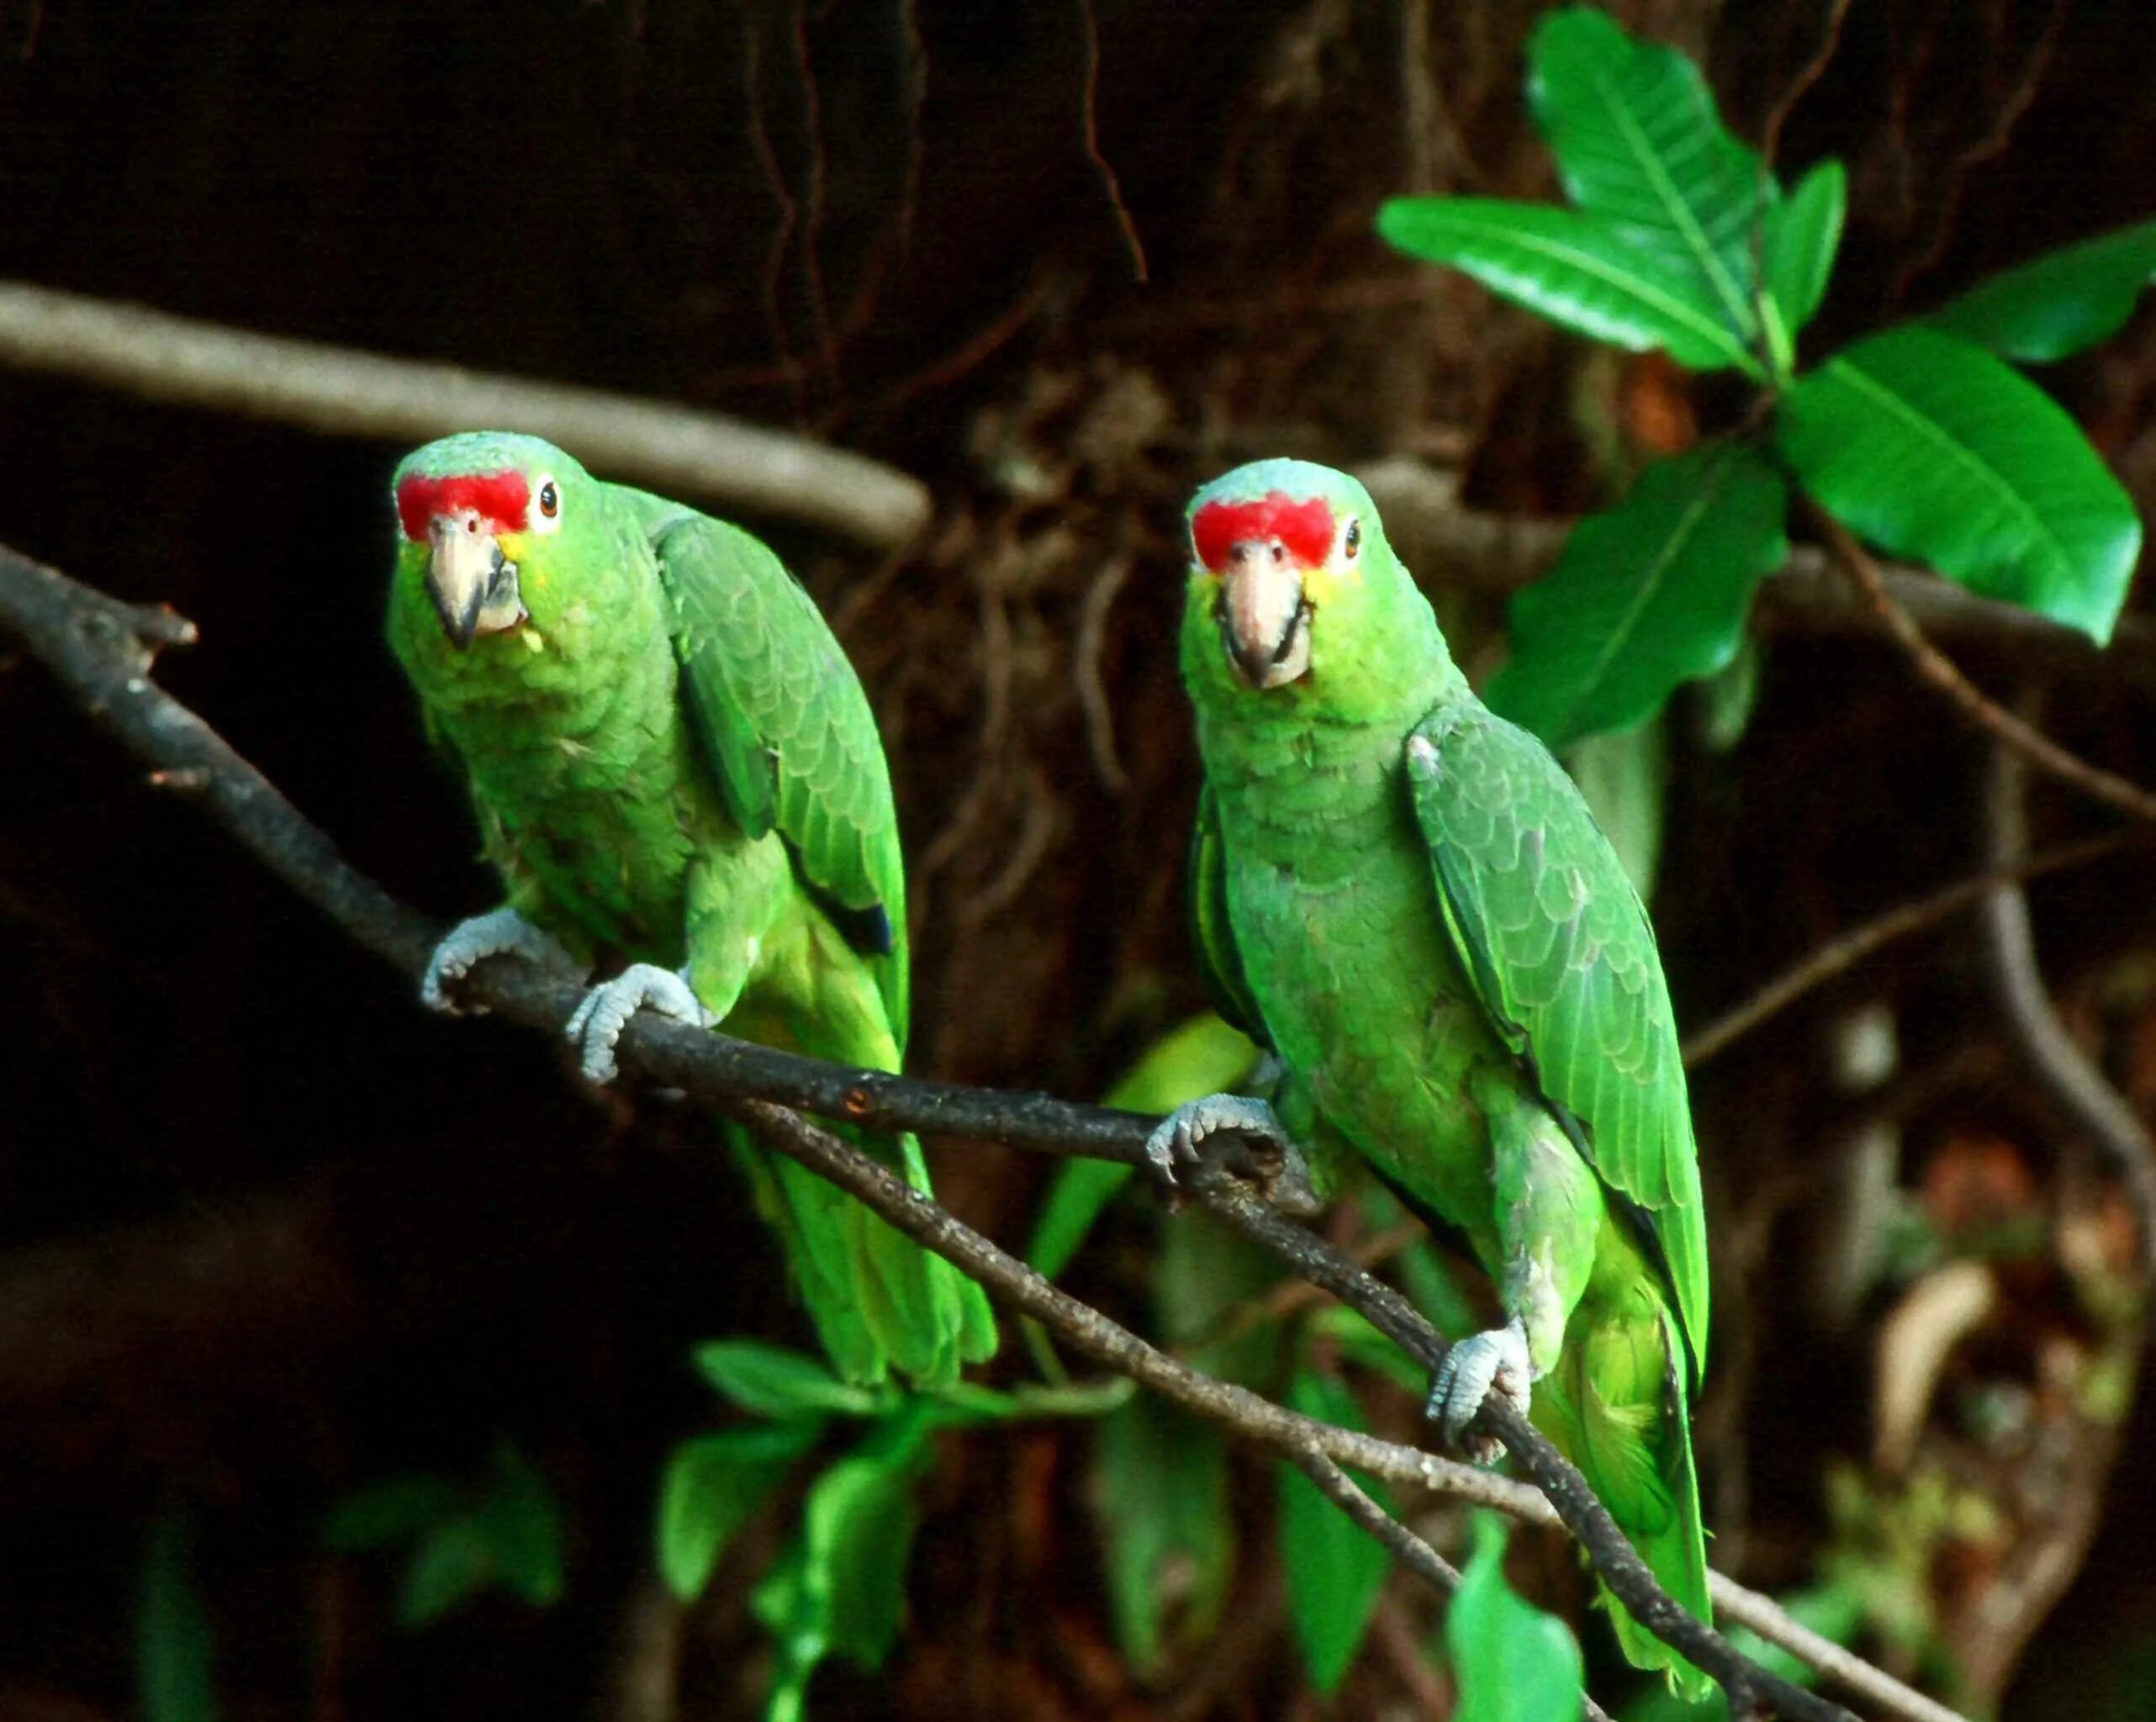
x=1306 y=528
x=500 y=499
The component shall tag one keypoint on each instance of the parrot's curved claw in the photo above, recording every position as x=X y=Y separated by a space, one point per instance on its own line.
x=1492 y=1362
x=502 y=932
x=606 y=1009
x=1186 y=1138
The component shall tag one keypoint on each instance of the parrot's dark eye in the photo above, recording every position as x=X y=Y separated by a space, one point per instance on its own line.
x=547 y=517
x=1353 y=542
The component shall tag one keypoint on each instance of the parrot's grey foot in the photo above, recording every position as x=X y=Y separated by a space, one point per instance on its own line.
x=1187 y=1137
x=606 y=1009
x=1495 y=1361
x=502 y=933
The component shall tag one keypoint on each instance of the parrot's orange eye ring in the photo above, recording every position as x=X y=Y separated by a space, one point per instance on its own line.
x=547 y=516
x=1353 y=542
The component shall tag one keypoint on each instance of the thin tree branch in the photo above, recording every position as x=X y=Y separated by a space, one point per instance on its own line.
x=345 y=392
x=2071 y=1075
x=101 y=651
x=1938 y=669
x=1839 y=955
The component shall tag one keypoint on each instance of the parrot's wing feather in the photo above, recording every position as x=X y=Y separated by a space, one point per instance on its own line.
x=788 y=732
x=1560 y=949
x=1220 y=962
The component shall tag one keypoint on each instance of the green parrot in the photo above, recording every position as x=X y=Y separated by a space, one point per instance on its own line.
x=672 y=763
x=1405 y=898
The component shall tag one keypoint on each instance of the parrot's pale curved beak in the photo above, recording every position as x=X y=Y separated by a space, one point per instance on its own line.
x=1264 y=621
x=473 y=584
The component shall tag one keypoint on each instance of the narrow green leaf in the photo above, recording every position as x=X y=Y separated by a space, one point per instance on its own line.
x=1638 y=141
x=712 y=1487
x=2059 y=302
x=1515 y=1663
x=522 y=1521
x=964 y=1403
x=772 y=1381
x=173 y=1645
x=1727 y=697
x=1803 y=236
x=1934 y=450
x=1646 y=595
x=1335 y=1569
x=1586 y=273
x=1159 y=1491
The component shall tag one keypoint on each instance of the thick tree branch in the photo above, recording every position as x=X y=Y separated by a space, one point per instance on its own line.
x=353 y=394
x=102 y=650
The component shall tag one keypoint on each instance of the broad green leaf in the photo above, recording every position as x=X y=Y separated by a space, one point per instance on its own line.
x=1934 y=450
x=1335 y=1569
x=1803 y=235
x=1160 y=1489
x=173 y=1645
x=772 y=1381
x=1513 y=1662
x=1638 y=142
x=713 y=1486
x=1582 y=271
x=2059 y=302
x=395 y=1510
x=1646 y=595
x=858 y=1529
x=1620 y=774
x=521 y=1522
x=452 y=1564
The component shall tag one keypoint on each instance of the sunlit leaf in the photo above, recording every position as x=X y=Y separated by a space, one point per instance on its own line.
x=1515 y=1663
x=1582 y=271
x=1620 y=774
x=1335 y=1570
x=858 y=1529
x=2059 y=302
x=713 y=1486
x=1934 y=450
x=1646 y=595
x=1639 y=143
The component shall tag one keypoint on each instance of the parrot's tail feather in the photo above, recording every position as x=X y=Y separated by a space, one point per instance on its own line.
x=1617 y=1407
x=878 y=1301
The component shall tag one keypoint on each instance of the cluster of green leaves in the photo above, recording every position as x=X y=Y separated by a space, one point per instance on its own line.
x=1161 y=1477
x=839 y=1587
x=1920 y=438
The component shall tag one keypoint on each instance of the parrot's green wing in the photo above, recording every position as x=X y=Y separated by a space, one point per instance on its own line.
x=788 y=732
x=1559 y=947
x=1220 y=962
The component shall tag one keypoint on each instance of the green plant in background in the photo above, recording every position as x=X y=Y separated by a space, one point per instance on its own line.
x=839 y=1586
x=500 y=1529
x=1921 y=438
